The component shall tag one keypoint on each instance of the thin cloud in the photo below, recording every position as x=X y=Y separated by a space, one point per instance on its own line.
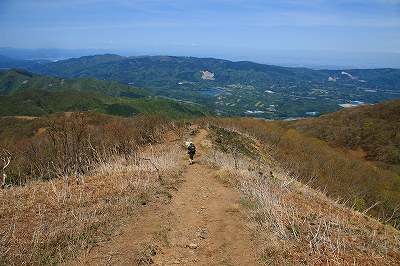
x=237 y=22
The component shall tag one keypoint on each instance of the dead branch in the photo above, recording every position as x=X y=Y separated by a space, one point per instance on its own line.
x=6 y=162
x=155 y=166
x=393 y=213
x=376 y=203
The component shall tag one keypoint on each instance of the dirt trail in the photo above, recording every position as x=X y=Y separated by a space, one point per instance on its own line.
x=203 y=225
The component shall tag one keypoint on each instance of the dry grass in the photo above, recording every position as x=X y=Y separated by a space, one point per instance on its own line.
x=234 y=207
x=301 y=226
x=364 y=186
x=44 y=223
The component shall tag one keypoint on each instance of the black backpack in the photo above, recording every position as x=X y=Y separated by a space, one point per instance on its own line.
x=191 y=148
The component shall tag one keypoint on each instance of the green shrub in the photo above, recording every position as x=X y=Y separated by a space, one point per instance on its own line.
x=359 y=204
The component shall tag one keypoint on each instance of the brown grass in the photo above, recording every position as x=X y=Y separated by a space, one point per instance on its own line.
x=46 y=222
x=364 y=186
x=301 y=226
x=234 y=207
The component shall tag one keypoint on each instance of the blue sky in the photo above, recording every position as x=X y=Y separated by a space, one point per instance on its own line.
x=241 y=29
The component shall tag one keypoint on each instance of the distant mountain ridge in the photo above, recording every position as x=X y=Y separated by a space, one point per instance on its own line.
x=238 y=88
x=87 y=66
x=7 y=63
x=178 y=69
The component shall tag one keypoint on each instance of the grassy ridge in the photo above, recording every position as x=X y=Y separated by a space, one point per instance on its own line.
x=362 y=185
x=292 y=223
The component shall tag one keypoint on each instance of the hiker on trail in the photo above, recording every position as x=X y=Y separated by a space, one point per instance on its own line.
x=191 y=151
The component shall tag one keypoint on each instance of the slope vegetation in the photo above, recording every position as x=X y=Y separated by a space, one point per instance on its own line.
x=371 y=132
x=294 y=224
x=360 y=184
x=82 y=176
x=148 y=207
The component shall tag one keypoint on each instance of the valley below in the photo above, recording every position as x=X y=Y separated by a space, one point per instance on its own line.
x=234 y=88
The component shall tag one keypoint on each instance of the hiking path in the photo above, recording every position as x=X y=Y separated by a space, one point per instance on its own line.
x=203 y=224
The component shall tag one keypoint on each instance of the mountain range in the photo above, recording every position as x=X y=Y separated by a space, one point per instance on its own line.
x=234 y=88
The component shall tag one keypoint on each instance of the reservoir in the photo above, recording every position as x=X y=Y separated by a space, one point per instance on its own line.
x=212 y=91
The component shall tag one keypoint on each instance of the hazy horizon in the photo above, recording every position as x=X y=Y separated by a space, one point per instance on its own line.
x=312 y=33
x=293 y=58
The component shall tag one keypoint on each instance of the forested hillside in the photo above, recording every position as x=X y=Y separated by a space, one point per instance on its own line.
x=370 y=132
x=28 y=94
x=17 y=80
x=35 y=102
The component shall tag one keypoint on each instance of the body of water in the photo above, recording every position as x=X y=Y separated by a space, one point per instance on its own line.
x=212 y=91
